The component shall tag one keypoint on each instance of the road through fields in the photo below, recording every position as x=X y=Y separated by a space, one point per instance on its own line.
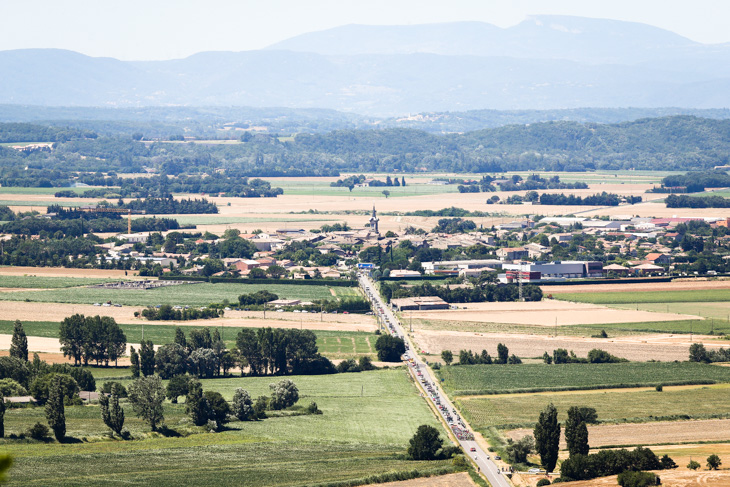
x=415 y=364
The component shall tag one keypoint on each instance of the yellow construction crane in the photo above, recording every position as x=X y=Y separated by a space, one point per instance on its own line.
x=104 y=209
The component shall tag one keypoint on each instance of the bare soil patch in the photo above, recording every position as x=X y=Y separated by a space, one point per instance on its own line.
x=671 y=478
x=23 y=311
x=677 y=285
x=635 y=348
x=546 y=313
x=63 y=272
x=648 y=433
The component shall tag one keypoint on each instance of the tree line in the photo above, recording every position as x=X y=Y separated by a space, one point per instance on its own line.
x=686 y=201
x=476 y=294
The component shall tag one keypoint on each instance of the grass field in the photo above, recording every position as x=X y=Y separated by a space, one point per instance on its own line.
x=46 y=282
x=719 y=310
x=334 y=344
x=306 y=187
x=699 y=296
x=18 y=190
x=514 y=410
x=367 y=421
x=492 y=379
x=187 y=294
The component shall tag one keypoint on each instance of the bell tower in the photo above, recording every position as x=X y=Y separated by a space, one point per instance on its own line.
x=374 y=221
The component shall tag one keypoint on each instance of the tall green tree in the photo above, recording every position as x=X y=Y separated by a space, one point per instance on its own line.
x=425 y=443
x=502 y=353
x=19 y=343
x=147 y=395
x=134 y=359
x=196 y=404
x=2 y=416
x=71 y=336
x=547 y=437
x=55 y=412
x=111 y=412
x=243 y=405
x=447 y=356
x=147 y=357
x=576 y=432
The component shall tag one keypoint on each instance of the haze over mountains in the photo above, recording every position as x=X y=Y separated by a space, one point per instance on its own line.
x=545 y=62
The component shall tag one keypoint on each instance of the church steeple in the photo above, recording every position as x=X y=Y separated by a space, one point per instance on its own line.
x=374 y=221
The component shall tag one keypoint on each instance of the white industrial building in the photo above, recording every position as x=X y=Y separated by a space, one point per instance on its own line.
x=542 y=271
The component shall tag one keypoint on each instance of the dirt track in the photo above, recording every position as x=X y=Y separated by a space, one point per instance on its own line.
x=451 y=480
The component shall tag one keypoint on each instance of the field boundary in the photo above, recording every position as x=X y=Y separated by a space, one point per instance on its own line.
x=489 y=392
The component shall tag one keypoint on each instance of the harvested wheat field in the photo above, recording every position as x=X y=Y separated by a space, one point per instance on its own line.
x=648 y=433
x=451 y=480
x=671 y=478
x=30 y=311
x=691 y=284
x=63 y=272
x=546 y=313
x=635 y=348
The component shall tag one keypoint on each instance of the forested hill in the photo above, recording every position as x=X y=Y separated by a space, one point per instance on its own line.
x=668 y=143
x=680 y=142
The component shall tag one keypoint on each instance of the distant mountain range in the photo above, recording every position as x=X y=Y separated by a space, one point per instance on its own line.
x=545 y=62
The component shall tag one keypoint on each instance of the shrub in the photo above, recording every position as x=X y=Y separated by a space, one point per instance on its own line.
x=243 y=405
x=313 y=409
x=542 y=482
x=113 y=387
x=219 y=408
x=636 y=479
x=284 y=394
x=659 y=388
x=9 y=387
x=39 y=431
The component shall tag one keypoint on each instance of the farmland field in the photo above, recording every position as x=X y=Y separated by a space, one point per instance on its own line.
x=367 y=421
x=187 y=294
x=334 y=344
x=45 y=282
x=694 y=402
x=492 y=379
x=698 y=296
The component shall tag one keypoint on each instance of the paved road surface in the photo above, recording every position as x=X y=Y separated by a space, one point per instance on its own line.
x=423 y=374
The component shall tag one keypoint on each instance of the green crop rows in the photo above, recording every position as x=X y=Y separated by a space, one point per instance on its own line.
x=699 y=296
x=492 y=379
x=187 y=294
x=612 y=406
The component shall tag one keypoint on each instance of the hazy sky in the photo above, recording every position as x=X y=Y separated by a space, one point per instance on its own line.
x=165 y=29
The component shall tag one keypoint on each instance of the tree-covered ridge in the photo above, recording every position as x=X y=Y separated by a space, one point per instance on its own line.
x=669 y=143
x=27 y=132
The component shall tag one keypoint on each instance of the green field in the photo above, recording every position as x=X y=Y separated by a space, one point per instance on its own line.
x=516 y=410
x=46 y=282
x=334 y=344
x=18 y=190
x=367 y=421
x=306 y=187
x=492 y=379
x=200 y=294
x=699 y=296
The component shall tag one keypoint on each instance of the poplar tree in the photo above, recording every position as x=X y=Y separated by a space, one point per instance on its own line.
x=55 y=412
x=547 y=437
x=576 y=432
x=134 y=358
x=19 y=343
x=2 y=416
x=111 y=412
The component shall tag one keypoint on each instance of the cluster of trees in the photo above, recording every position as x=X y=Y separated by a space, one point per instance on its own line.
x=595 y=356
x=694 y=182
x=698 y=353
x=73 y=223
x=454 y=225
x=535 y=181
x=467 y=357
x=257 y=298
x=170 y=205
x=612 y=462
x=450 y=212
x=352 y=181
x=275 y=351
x=166 y=312
x=603 y=199
x=28 y=132
x=485 y=293
x=87 y=338
x=686 y=201
x=390 y=348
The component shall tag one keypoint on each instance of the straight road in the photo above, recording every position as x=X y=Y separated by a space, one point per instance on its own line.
x=424 y=375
